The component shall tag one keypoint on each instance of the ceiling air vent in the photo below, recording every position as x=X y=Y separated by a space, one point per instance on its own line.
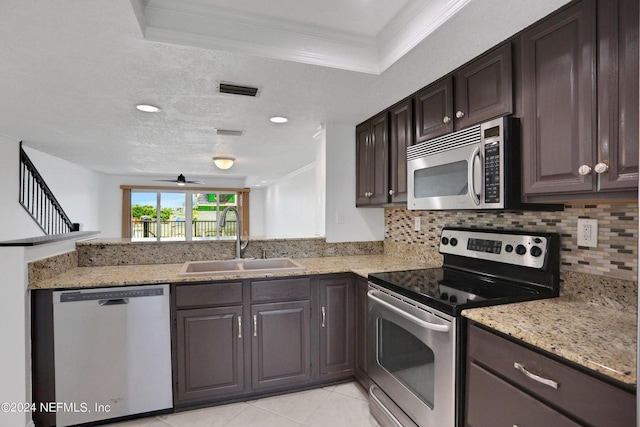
x=238 y=90
x=228 y=132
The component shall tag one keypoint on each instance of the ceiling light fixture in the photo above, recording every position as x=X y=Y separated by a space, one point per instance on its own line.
x=223 y=163
x=278 y=119
x=147 y=108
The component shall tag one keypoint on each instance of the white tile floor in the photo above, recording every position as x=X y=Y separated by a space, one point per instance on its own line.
x=343 y=405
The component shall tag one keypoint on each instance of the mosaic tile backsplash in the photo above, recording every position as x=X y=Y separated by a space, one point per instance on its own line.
x=615 y=256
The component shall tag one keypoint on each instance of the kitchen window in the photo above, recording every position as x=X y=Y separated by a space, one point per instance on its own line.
x=161 y=214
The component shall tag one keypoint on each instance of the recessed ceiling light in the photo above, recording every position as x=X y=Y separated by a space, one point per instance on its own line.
x=278 y=119
x=148 y=108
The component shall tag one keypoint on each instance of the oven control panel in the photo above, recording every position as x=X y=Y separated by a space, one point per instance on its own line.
x=528 y=250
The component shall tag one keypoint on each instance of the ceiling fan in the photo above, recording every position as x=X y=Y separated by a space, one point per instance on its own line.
x=181 y=180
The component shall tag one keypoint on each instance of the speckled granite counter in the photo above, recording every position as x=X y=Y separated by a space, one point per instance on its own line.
x=599 y=338
x=120 y=275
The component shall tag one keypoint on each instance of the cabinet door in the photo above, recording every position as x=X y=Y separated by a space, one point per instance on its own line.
x=379 y=167
x=209 y=353
x=363 y=162
x=558 y=66
x=280 y=347
x=336 y=326
x=362 y=311
x=401 y=137
x=618 y=94
x=483 y=88
x=434 y=110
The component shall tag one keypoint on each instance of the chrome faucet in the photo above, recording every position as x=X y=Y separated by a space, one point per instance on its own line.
x=222 y=221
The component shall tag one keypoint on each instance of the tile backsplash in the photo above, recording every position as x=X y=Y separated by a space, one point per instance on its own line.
x=615 y=256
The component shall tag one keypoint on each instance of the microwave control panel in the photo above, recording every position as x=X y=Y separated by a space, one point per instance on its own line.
x=492 y=191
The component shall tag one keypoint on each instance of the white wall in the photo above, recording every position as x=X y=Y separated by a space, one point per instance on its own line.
x=16 y=222
x=257 y=200
x=344 y=222
x=290 y=208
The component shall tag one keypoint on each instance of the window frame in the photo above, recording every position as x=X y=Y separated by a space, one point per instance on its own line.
x=242 y=205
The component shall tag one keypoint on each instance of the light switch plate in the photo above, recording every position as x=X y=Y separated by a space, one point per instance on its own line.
x=588 y=232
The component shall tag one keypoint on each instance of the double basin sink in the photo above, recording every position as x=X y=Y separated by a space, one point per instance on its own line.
x=239 y=266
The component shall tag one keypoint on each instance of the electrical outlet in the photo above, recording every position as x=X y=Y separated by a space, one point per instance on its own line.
x=339 y=217
x=416 y=224
x=588 y=232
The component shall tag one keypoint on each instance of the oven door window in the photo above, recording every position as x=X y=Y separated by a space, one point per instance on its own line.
x=449 y=179
x=407 y=358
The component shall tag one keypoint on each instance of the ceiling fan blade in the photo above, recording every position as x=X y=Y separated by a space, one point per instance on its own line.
x=195 y=182
x=165 y=180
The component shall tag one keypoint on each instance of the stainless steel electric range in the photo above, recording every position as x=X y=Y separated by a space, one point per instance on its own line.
x=416 y=343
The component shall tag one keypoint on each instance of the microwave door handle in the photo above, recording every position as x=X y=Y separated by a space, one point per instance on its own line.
x=408 y=316
x=471 y=177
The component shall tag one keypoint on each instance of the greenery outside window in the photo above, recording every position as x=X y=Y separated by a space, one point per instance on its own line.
x=154 y=214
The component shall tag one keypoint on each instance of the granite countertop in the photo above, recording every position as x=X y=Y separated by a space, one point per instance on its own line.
x=81 y=277
x=598 y=338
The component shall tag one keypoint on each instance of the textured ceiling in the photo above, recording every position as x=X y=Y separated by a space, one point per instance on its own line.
x=72 y=71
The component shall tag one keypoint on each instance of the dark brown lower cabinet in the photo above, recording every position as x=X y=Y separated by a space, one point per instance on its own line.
x=361 y=367
x=281 y=346
x=336 y=326
x=210 y=353
x=510 y=384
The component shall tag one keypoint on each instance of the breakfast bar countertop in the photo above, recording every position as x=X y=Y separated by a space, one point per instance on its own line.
x=124 y=275
x=599 y=338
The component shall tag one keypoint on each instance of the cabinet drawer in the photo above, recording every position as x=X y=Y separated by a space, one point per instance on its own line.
x=584 y=396
x=486 y=394
x=209 y=294
x=280 y=289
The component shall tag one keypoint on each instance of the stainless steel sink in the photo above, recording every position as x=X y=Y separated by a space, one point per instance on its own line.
x=239 y=266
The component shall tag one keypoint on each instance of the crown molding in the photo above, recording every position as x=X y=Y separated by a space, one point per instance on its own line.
x=193 y=23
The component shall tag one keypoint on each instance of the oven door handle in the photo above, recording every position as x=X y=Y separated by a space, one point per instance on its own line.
x=409 y=317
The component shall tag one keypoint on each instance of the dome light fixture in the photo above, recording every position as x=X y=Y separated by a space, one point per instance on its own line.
x=278 y=119
x=147 y=108
x=223 y=163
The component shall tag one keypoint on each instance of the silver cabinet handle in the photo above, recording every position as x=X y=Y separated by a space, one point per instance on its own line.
x=410 y=317
x=446 y=120
x=459 y=114
x=324 y=317
x=601 y=168
x=239 y=327
x=584 y=170
x=255 y=325
x=391 y=192
x=551 y=383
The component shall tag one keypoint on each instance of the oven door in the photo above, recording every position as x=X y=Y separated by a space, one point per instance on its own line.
x=412 y=359
x=449 y=179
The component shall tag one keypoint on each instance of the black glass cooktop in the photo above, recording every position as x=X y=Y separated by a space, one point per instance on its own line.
x=452 y=291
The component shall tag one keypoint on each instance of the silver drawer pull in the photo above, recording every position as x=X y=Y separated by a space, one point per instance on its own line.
x=541 y=380
x=324 y=317
x=239 y=326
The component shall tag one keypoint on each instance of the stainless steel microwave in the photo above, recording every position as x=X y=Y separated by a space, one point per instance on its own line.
x=474 y=168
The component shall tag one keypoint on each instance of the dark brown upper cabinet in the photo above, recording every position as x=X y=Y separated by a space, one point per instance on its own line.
x=434 y=110
x=580 y=103
x=618 y=94
x=372 y=161
x=482 y=89
x=401 y=138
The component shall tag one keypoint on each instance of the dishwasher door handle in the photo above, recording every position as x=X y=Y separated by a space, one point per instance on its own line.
x=114 y=301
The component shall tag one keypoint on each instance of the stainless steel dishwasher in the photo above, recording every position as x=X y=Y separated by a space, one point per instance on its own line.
x=112 y=353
